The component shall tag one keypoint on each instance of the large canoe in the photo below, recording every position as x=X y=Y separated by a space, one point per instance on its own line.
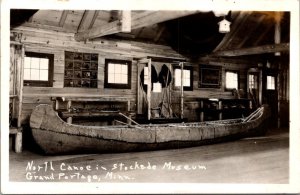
x=55 y=136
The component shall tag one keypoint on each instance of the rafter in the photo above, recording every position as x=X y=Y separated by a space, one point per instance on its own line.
x=86 y=20
x=63 y=18
x=251 y=30
x=255 y=50
x=159 y=33
x=138 y=20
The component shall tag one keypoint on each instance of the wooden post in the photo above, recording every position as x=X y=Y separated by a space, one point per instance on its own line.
x=126 y=21
x=279 y=88
x=18 y=144
x=20 y=83
x=181 y=91
x=149 y=89
x=201 y=111
x=56 y=104
x=277 y=30
x=260 y=87
x=220 y=110
x=129 y=115
x=69 y=104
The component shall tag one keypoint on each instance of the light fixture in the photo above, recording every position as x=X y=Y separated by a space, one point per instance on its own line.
x=224 y=26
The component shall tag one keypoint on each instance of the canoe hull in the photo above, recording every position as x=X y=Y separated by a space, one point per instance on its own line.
x=54 y=136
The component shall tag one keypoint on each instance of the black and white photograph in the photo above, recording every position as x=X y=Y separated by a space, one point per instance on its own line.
x=144 y=98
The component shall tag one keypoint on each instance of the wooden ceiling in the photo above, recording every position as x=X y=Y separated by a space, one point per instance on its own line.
x=191 y=33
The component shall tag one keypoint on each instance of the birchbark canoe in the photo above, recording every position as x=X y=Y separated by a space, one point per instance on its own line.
x=55 y=136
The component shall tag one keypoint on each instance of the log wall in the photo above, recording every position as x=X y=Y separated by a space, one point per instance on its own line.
x=53 y=42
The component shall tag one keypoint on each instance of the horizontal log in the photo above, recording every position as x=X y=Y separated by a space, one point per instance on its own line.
x=255 y=50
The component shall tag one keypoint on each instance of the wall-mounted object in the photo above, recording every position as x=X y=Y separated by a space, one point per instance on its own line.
x=81 y=70
x=157 y=87
x=210 y=76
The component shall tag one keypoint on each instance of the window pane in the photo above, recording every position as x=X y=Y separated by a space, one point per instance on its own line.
x=44 y=75
x=35 y=63
x=111 y=78
x=27 y=62
x=118 y=68
x=44 y=63
x=271 y=82
x=186 y=74
x=117 y=78
x=111 y=68
x=34 y=74
x=177 y=77
x=26 y=74
x=186 y=82
x=231 y=80
x=124 y=79
x=124 y=69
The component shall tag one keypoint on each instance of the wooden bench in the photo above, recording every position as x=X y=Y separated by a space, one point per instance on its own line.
x=69 y=113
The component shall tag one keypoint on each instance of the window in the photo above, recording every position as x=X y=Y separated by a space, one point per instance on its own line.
x=270 y=82
x=38 y=69
x=81 y=70
x=231 y=80
x=187 y=78
x=117 y=74
x=252 y=81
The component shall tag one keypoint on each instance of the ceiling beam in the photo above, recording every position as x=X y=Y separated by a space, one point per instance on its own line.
x=138 y=20
x=94 y=19
x=86 y=20
x=254 y=50
x=63 y=18
x=257 y=24
x=159 y=33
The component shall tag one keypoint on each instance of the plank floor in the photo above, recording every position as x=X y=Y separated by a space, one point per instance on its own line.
x=256 y=160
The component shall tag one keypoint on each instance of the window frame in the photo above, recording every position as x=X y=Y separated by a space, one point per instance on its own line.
x=38 y=83
x=118 y=85
x=185 y=88
x=238 y=80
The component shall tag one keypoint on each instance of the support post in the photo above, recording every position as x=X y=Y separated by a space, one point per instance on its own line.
x=149 y=89
x=18 y=144
x=126 y=21
x=129 y=114
x=201 y=111
x=220 y=110
x=260 y=88
x=181 y=91
x=69 y=104
x=20 y=83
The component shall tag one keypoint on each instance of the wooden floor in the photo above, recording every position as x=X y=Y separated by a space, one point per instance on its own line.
x=257 y=160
